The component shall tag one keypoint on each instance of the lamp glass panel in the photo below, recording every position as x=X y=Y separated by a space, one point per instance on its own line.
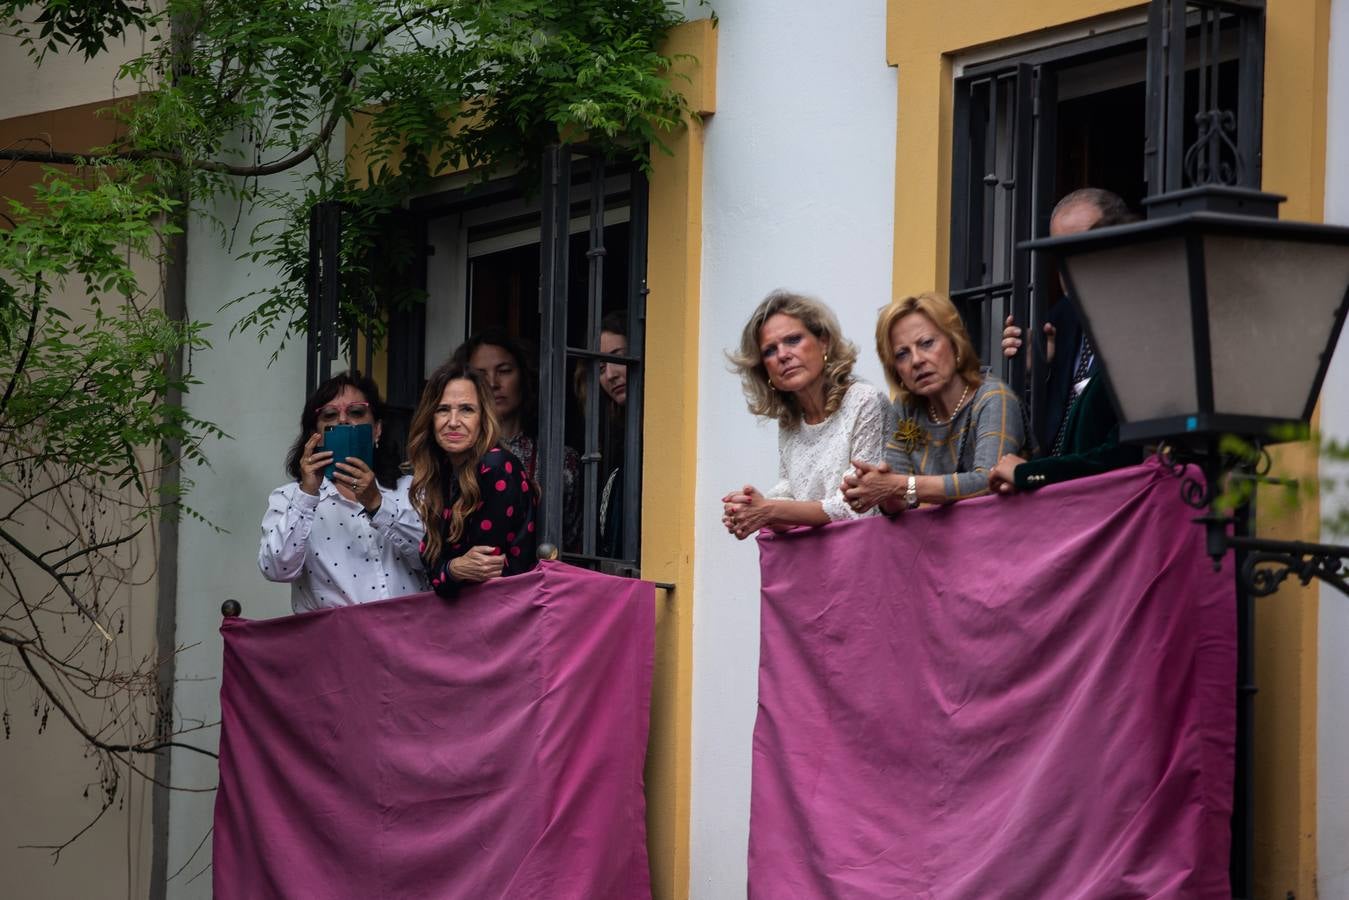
x=1271 y=306
x=1136 y=301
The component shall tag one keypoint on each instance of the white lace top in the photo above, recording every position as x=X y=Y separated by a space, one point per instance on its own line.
x=812 y=459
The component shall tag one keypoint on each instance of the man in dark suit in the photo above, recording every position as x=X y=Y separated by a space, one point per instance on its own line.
x=1078 y=434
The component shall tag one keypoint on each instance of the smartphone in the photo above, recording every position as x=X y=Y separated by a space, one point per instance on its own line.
x=348 y=440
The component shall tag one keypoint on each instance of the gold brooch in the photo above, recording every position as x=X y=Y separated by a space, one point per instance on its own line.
x=909 y=435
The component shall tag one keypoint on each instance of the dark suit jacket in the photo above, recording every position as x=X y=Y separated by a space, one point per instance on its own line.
x=1059 y=379
x=1091 y=445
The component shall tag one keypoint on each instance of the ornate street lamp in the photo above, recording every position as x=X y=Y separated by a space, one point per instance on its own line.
x=1212 y=318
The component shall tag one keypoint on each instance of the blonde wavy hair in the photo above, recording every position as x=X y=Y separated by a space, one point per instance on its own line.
x=943 y=314
x=747 y=361
x=428 y=461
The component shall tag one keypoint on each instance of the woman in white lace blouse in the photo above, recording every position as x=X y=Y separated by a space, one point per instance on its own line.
x=796 y=367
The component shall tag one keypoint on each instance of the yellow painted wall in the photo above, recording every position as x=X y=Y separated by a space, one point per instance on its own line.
x=922 y=38
x=674 y=275
x=1296 y=64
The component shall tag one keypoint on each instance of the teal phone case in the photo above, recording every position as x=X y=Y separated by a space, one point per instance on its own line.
x=348 y=440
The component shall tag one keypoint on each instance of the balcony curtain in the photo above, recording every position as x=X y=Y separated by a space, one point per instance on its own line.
x=492 y=746
x=1010 y=697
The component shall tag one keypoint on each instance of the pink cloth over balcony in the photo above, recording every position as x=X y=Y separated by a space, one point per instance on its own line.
x=1024 y=697
x=490 y=746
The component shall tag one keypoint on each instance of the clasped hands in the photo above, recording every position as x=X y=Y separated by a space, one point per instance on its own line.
x=479 y=564
x=746 y=511
x=869 y=485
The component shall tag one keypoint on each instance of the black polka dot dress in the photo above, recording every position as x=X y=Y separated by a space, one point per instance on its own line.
x=504 y=520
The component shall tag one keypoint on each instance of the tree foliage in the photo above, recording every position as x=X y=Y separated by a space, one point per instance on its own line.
x=84 y=421
x=242 y=102
x=237 y=91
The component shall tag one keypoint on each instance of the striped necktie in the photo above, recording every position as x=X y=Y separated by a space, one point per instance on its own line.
x=1084 y=357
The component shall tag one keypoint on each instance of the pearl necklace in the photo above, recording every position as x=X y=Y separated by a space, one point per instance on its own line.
x=964 y=395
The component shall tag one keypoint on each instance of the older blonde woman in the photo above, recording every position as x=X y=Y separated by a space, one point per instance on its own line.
x=953 y=422
x=796 y=367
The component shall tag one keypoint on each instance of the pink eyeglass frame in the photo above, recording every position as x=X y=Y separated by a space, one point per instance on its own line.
x=343 y=408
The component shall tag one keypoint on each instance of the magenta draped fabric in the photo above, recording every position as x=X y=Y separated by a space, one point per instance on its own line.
x=1025 y=697
x=490 y=746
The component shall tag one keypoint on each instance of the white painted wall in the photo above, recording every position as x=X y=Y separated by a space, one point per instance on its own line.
x=1332 y=724
x=258 y=403
x=798 y=192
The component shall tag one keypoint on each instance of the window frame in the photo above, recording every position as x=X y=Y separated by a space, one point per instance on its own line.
x=554 y=209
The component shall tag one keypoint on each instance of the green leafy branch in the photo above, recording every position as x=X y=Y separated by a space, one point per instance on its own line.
x=86 y=425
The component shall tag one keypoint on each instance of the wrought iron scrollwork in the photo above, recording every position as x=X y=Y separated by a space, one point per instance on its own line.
x=1265 y=564
x=1268 y=564
x=1214 y=157
x=1197 y=492
x=1197 y=483
x=1207 y=476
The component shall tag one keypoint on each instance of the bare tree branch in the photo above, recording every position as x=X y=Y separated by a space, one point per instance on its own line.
x=108 y=798
x=57 y=577
x=94 y=548
x=78 y=724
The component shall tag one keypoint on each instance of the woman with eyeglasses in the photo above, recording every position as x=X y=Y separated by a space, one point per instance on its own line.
x=352 y=537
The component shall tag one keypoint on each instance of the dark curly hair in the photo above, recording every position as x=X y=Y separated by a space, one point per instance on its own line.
x=386 y=452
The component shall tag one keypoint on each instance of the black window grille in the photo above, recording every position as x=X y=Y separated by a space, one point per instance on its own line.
x=992 y=199
x=324 y=286
x=393 y=278
x=1017 y=147
x=611 y=454
x=1206 y=102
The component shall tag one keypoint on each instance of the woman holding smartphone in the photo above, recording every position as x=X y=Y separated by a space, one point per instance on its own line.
x=350 y=536
x=472 y=493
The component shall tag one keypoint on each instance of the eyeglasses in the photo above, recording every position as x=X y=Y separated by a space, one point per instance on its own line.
x=332 y=413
